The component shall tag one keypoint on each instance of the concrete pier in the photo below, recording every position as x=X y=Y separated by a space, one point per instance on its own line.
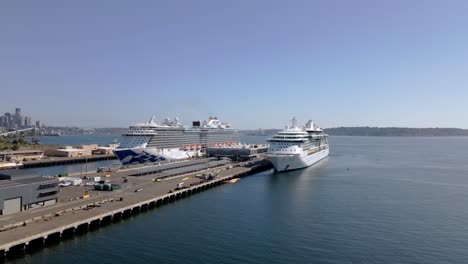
x=77 y=218
x=62 y=161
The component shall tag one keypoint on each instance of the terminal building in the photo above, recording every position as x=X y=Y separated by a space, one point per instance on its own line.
x=72 y=151
x=81 y=151
x=21 y=155
x=21 y=191
x=239 y=152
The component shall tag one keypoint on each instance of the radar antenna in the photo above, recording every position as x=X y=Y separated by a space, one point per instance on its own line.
x=151 y=119
x=293 y=122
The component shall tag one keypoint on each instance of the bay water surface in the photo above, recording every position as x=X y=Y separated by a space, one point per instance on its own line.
x=373 y=200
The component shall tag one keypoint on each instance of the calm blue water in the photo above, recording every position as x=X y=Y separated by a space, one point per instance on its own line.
x=403 y=200
x=80 y=139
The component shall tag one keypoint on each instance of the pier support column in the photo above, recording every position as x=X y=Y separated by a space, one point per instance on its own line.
x=117 y=217
x=52 y=239
x=136 y=210
x=81 y=229
x=127 y=213
x=16 y=251
x=35 y=244
x=94 y=224
x=106 y=220
x=68 y=233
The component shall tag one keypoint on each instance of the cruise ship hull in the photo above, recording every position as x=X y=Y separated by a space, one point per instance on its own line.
x=140 y=155
x=285 y=162
x=153 y=142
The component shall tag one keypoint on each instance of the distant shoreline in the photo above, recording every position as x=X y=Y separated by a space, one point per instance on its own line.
x=336 y=131
x=377 y=132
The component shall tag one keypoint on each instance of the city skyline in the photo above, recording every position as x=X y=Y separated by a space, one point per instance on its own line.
x=254 y=64
x=40 y=124
x=16 y=120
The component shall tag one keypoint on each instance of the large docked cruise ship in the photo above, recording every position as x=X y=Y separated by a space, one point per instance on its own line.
x=297 y=147
x=152 y=142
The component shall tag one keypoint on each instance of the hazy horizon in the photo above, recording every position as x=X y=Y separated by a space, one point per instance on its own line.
x=252 y=63
x=267 y=128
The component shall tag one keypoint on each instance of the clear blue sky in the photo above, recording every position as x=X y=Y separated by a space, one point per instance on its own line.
x=253 y=63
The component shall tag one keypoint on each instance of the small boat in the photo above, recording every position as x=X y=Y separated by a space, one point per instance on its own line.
x=232 y=180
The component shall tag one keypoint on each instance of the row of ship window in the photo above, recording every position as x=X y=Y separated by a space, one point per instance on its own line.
x=138 y=141
x=284 y=150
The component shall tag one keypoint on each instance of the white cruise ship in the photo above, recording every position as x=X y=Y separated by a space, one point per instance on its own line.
x=152 y=142
x=297 y=147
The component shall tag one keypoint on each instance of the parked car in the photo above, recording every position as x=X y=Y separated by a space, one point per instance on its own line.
x=65 y=184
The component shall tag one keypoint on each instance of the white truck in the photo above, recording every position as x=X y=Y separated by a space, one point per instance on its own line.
x=180 y=185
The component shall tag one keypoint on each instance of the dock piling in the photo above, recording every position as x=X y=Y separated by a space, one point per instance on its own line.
x=35 y=244
x=52 y=239
x=68 y=233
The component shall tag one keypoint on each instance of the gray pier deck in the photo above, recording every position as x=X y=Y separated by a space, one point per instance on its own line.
x=62 y=161
x=28 y=231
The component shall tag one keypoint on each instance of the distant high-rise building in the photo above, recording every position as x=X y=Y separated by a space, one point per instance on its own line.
x=9 y=121
x=19 y=122
x=38 y=124
x=18 y=118
x=27 y=121
x=3 y=121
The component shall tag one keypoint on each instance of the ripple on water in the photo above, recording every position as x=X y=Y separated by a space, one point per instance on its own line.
x=399 y=203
